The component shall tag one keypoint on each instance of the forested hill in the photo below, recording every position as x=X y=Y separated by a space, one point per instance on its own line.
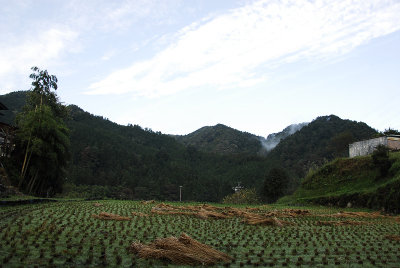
x=150 y=165
x=222 y=139
x=146 y=164
x=14 y=101
x=322 y=140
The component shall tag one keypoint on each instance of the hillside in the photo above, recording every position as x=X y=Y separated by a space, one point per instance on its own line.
x=207 y=162
x=14 y=102
x=143 y=163
x=354 y=181
x=222 y=140
x=322 y=140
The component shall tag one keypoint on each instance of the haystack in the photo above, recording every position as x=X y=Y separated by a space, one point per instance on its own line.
x=372 y=215
x=110 y=216
x=182 y=251
x=206 y=214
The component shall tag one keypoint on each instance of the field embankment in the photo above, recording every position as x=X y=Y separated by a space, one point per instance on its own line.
x=351 y=182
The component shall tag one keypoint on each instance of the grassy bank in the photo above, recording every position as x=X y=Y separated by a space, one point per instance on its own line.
x=354 y=181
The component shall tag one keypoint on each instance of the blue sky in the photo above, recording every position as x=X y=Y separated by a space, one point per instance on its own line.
x=177 y=65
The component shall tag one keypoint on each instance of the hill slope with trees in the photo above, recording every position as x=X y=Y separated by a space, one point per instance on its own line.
x=322 y=140
x=144 y=164
x=222 y=139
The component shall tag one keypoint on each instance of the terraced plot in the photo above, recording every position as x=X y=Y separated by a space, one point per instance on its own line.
x=67 y=234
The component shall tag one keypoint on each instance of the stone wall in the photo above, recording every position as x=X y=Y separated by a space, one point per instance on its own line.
x=366 y=147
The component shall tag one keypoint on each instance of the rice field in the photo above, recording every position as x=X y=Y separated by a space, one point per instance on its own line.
x=67 y=234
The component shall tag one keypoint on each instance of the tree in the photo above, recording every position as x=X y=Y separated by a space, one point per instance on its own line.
x=381 y=160
x=43 y=137
x=275 y=184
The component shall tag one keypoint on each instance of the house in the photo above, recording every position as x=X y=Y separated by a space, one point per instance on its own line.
x=367 y=147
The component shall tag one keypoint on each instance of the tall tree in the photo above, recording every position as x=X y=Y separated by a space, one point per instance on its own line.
x=275 y=185
x=43 y=137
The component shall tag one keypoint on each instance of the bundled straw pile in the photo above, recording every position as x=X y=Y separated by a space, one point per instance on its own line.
x=182 y=251
x=371 y=215
x=110 y=216
x=212 y=212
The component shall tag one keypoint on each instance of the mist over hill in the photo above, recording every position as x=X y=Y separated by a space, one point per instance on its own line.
x=273 y=139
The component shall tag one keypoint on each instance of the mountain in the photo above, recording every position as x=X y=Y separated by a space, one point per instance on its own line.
x=14 y=101
x=222 y=139
x=274 y=139
x=322 y=140
x=207 y=162
x=115 y=159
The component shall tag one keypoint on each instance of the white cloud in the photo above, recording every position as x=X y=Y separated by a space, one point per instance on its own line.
x=43 y=49
x=228 y=50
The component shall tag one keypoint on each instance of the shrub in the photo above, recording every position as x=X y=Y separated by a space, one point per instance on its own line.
x=245 y=196
x=380 y=158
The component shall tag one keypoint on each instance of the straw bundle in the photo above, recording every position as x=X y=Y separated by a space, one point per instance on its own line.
x=182 y=251
x=206 y=214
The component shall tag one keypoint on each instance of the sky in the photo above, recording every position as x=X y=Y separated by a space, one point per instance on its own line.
x=177 y=65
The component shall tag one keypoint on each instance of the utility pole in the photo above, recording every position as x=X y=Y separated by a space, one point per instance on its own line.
x=180 y=193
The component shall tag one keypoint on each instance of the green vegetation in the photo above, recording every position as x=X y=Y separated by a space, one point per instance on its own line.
x=65 y=234
x=150 y=165
x=41 y=139
x=221 y=139
x=380 y=158
x=322 y=140
x=356 y=181
x=145 y=163
x=275 y=185
x=245 y=196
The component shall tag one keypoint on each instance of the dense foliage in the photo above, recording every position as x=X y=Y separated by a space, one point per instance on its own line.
x=352 y=181
x=223 y=140
x=275 y=185
x=380 y=158
x=41 y=141
x=245 y=196
x=322 y=140
x=153 y=166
